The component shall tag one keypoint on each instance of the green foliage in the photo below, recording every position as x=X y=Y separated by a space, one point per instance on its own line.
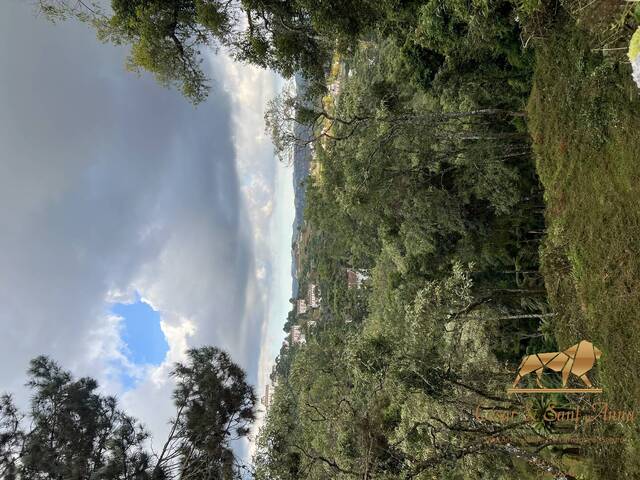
x=72 y=432
x=167 y=37
x=215 y=405
x=429 y=182
x=425 y=63
x=432 y=190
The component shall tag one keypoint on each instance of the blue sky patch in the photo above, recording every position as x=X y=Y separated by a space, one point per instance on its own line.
x=145 y=343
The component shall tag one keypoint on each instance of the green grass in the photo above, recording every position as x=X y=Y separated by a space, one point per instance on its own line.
x=584 y=118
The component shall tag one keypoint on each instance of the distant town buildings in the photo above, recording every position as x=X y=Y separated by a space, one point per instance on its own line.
x=301 y=306
x=311 y=301
x=267 y=399
x=313 y=296
x=355 y=278
x=296 y=335
x=270 y=389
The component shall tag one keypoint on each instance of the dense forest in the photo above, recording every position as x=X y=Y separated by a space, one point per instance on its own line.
x=475 y=163
x=426 y=178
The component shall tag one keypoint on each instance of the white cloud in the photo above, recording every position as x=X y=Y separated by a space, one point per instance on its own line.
x=261 y=273
x=110 y=185
x=269 y=196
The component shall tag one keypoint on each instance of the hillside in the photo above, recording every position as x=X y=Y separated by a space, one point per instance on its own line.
x=479 y=171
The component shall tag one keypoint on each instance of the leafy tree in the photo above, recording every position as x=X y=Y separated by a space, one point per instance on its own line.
x=11 y=437
x=74 y=433
x=215 y=406
x=167 y=37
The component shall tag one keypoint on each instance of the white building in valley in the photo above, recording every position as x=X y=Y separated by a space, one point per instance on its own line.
x=356 y=278
x=313 y=296
x=301 y=306
x=296 y=335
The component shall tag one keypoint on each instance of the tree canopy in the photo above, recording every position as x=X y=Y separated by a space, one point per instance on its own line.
x=73 y=432
x=168 y=38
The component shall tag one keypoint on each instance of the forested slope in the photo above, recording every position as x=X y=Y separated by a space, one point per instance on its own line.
x=429 y=161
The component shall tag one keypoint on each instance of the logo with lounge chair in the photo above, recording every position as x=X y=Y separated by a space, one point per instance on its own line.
x=577 y=360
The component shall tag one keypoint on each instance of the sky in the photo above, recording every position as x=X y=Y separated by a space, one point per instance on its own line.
x=134 y=225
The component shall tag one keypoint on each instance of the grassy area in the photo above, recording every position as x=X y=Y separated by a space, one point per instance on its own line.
x=585 y=124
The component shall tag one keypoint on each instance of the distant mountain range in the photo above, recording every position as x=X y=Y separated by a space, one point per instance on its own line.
x=301 y=167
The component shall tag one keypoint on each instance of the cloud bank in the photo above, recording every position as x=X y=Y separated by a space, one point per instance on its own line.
x=110 y=184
